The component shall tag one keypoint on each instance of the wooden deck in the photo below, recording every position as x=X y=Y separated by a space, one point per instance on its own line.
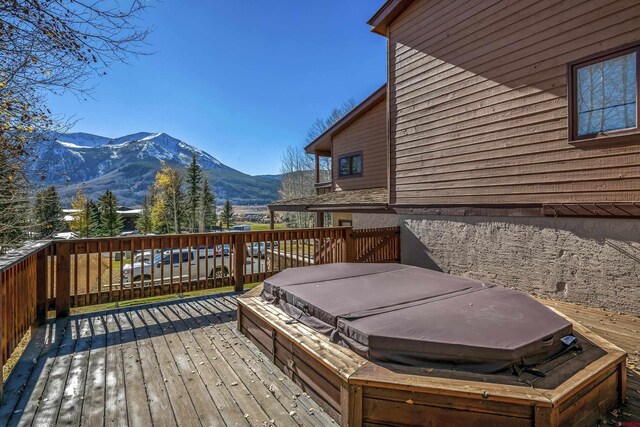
x=623 y=331
x=184 y=363
x=180 y=363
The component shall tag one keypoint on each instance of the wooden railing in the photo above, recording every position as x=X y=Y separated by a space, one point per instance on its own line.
x=23 y=279
x=60 y=275
x=375 y=245
x=323 y=187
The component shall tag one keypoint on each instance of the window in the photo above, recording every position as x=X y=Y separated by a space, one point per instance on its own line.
x=345 y=223
x=603 y=95
x=350 y=165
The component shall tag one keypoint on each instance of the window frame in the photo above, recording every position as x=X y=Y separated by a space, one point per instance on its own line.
x=348 y=157
x=572 y=91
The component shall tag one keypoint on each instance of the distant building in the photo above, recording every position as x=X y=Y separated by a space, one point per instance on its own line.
x=129 y=216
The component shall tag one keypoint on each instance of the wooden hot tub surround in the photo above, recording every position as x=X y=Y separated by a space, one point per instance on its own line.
x=577 y=390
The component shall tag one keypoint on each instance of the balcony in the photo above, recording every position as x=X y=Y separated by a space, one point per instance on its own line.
x=323 y=187
x=137 y=363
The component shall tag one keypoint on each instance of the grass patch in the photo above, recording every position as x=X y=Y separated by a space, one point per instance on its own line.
x=158 y=298
x=15 y=356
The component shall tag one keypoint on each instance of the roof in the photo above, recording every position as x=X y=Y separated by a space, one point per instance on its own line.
x=130 y=212
x=386 y=14
x=346 y=200
x=323 y=142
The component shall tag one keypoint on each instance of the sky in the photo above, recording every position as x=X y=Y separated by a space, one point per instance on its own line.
x=241 y=80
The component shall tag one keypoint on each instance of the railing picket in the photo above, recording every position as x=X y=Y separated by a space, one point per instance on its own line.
x=52 y=272
x=152 y=249
x=251 y=237
x=180 y=262
x=189 y=262
x=120 y=272
x=171 y=265
x=133 y=247
x=99 y=270
x=87 y=273
x=298 y=246
x=215 y=261
x=197 y=244
x=74 y=264
x=273 y=254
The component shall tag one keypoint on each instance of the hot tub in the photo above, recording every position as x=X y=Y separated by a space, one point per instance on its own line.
x=390 y=344
x=412 y=316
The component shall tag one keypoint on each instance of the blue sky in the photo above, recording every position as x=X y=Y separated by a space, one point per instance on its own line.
x=239 y=79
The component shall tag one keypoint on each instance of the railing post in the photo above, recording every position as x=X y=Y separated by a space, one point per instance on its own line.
x=41 y=287
x=63 y=279
x=349 y=255
x=239 y=258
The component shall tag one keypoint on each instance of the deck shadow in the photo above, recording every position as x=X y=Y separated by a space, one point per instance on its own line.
x=46 y=342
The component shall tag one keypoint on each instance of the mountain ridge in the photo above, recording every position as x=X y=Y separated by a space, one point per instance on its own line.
x=127 y=166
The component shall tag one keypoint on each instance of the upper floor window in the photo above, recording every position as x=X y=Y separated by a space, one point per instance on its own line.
x=350 y=165
x=603 y=95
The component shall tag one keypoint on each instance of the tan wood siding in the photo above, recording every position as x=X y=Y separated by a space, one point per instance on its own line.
x=367 y=134
x=478 y=103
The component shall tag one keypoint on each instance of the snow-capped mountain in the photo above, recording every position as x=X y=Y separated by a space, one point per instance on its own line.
x=127 y=166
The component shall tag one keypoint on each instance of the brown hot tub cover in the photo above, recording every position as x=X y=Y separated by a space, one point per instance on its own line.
x=413 y=316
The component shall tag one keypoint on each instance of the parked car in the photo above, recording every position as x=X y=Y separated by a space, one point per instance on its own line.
x=241 y=228
x=164 y=261
x=148 y=256
x=258 y=250
x=223 y=249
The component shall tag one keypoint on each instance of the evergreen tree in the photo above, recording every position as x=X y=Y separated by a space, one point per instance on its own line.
x=144 y=224
x=48 y=215
x=15 y=201
x=207 y=213
x=226 y=216
x=193 y=193
x=111 y=223
x=94 y=216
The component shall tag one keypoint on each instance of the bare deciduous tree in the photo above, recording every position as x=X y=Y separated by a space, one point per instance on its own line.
x=51 y=46
x=297 y=167
x=320 y=126
x=297 y=181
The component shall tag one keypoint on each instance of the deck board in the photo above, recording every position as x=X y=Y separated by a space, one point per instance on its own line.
x=93 y=399
x=137 y=400
x=242 y=376
x=185 y=363
x=71 y=406
x=621 y=330
x=116 y=390
x=302 y=404
x=162 y=414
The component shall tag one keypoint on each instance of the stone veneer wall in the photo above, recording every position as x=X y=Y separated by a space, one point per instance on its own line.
x=594 y=261
x=367 y=220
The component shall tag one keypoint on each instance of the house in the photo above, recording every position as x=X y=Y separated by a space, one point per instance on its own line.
x=356 y=193
x=512 y=144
